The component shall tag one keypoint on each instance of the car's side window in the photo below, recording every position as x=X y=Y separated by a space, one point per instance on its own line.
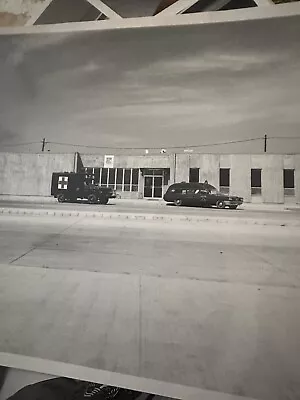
x=184 y=191
x=197 y=191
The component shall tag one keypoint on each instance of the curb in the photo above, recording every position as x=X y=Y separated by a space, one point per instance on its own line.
x=148 y=217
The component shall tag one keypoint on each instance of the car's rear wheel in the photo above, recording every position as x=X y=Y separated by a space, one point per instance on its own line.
x=233 y=207
x=61 y=198
x=92 y=199
x=178 y=202
x=221 y=204
x=103 y=201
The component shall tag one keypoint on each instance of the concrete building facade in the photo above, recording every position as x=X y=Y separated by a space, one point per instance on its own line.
x=265 y=178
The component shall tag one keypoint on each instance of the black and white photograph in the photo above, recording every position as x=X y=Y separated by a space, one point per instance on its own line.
x=150 y=196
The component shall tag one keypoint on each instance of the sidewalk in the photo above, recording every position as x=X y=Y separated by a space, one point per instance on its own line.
x=153 y=217
x=150 y=203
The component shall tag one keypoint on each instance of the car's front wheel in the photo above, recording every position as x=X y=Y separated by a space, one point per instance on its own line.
x=221 y=204
x=233 y=207
x=92 y=199
x=61 y=198
x=178 y=202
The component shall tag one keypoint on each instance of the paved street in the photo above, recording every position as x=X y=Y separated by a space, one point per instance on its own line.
x=211 y=306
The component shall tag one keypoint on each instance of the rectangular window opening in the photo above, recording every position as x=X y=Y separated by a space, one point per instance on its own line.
x=256 y=182
x=224 y=180
x=289 y=182
x=194 y=175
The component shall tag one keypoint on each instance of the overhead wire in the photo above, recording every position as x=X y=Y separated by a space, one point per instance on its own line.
x=18 y=144
x=155 y=148
x=152 y=148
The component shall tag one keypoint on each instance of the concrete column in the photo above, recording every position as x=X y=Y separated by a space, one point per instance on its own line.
x=141 y=185
x=240 y=176
x=272 y=179
x=172 y=168
x=209 y=168
x=182 y=167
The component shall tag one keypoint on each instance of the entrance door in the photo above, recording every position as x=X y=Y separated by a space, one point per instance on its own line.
x=153 y=187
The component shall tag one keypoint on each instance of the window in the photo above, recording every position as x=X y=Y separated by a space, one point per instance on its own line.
x=111 y=177
x=289 y=182
x=127 y=177
x=97 y=175
x=120 y=179
x=92 y=175
x=256 y=182
x=224 y=180
x=194 y=175
x=104 y=176
x=135 y=180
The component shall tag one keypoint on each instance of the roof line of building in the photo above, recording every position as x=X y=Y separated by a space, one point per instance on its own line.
x=155 y=155
x=247 y=14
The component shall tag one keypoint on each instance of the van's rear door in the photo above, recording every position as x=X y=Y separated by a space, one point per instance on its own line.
x=54 y=184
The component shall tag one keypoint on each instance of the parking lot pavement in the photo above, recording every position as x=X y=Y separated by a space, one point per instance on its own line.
x=205 y=306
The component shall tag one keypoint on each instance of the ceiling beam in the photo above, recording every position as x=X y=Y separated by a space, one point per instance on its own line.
x=216 y=5
x=177 y=8
x=39 y=11
x=102 y=7
x=261 y=3
x=173 y=7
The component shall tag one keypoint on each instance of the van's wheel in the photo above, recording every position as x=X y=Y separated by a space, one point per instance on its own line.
x=92 y=199
x=221 y=204
x=61 y=198
x=178 y=202
x=103 y=201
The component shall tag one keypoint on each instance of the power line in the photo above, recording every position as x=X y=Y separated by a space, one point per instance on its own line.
x=19 y=144
x=155 y=148
x=284 y=137
x=152 y=148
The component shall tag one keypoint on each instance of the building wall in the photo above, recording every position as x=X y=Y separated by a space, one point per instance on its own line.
x=240 y=175
x=272 y=179
x=121 y=161
x=158 y=161
x=30 y=174
x=182 y=167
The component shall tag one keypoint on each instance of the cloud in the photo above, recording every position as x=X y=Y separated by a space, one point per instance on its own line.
x=208 y=62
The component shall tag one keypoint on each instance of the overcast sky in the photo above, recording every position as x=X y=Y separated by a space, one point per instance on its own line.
x=154 y=87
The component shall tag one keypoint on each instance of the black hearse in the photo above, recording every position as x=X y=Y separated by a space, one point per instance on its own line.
x=200 y=194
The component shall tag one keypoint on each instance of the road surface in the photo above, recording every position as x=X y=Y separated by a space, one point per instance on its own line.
x=215 y=307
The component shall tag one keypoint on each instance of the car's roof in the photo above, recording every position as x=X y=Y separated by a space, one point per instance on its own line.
x=199 y=185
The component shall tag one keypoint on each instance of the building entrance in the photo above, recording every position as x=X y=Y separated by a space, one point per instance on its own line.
x=153 y=184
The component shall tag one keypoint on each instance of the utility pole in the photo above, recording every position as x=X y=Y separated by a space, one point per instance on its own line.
x=43 y=144
x=265 y=146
